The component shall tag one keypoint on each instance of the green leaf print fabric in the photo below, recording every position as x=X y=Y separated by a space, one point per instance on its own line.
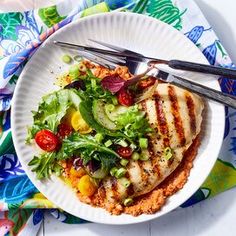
x=50 y=16
x=22 y=206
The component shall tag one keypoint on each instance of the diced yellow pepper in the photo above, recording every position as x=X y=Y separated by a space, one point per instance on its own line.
x=77 y=173
x=86 y=186
x=78 y=123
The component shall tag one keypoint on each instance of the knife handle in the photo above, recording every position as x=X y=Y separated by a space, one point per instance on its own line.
x=207 y=69
x=207 y=92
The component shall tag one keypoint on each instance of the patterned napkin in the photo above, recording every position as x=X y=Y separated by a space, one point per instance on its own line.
x=21 y=33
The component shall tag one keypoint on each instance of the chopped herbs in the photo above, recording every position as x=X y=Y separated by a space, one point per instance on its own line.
x=78 y=58
x=122 y=142
x=120 y=172
x=135 y=156
x=144 y=155
x=167 y=153
x=67 y=59
x=108 y=143
x=124 y=162
x=99 y=137
x=113 y=171
x=128 y=201
x=143 y=143
x=125 y=182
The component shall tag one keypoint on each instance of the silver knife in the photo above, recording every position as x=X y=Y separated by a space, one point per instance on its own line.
x=202 y=90
x=137 y=57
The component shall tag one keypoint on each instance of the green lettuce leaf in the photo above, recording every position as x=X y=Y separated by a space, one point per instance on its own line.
x=51 y=110
x=134 y=122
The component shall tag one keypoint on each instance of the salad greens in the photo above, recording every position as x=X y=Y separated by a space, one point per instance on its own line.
x=45 y=165
x=51 y=110
x=67 y=59
x=134 y=122
x=94 y=89
x=88 y=148
x=77 y=141
x=82 y=95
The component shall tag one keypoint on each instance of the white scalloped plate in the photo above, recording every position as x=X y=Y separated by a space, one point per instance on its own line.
x=136 y=32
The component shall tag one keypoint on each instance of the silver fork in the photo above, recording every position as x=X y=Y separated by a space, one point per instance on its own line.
x=135 y=66
x=207 y=92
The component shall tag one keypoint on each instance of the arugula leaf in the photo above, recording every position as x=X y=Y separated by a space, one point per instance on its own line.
x=45 y=165
x=86 y=156
x=87 y=148
x=77 y=141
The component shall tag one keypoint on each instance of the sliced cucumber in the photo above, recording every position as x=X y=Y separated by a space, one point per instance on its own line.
x=114 y=114
x=101 y=117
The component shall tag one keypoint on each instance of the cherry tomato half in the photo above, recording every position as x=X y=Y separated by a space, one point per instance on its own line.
x=145 y=83
x=64 y=130
x=125 y=97
x=47 y=140
x=124 y=152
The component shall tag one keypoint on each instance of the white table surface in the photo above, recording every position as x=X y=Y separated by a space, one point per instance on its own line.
x=211 y=217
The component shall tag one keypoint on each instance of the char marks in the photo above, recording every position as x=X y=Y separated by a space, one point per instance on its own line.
x=161 y=119
x=176 y=114
x=191 y=113
x=143 y=105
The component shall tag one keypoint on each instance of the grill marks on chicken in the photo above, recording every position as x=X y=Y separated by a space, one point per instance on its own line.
x=161 y=119
x=176 y=113
x=190 y=105
x=175 y=116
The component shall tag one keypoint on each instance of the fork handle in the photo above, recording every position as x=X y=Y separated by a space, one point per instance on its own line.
x=208 y=69
x=207 y=92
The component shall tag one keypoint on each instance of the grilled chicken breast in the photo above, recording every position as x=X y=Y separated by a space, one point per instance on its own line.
x=176 y=115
